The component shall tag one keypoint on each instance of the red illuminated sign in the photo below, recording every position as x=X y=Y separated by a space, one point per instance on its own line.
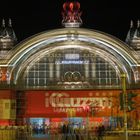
x=50 y=103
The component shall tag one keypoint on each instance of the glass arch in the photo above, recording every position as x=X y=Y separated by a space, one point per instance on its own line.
x=108 y=47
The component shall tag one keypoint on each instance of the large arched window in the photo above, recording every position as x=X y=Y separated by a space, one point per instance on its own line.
x=71 y=69
x=71 y=58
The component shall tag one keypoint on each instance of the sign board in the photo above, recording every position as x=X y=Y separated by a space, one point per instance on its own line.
x=50 y=103
x=6 y=109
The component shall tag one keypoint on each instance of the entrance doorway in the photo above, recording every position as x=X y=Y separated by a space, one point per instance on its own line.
x=38 y=125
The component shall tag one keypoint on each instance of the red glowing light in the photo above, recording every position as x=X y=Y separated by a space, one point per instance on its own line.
x=71 y=6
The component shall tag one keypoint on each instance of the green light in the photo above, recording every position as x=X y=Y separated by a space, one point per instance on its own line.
x=130 y=101
x=121 y=101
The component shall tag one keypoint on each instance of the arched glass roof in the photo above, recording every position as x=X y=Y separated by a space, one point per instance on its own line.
x=108 y=47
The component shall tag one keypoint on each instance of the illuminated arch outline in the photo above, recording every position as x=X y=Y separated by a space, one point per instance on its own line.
x=73 y=36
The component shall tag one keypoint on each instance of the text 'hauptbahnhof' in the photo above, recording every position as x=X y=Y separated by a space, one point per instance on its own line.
x=71 y=74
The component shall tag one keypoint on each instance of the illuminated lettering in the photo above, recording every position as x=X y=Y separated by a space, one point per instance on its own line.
x=72 y=56
x=72 y=62
x=63 y=100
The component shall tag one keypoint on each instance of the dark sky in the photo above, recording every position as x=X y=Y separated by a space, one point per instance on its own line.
x=34 y=16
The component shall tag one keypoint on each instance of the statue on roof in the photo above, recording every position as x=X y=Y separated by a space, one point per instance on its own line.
x=71 y=14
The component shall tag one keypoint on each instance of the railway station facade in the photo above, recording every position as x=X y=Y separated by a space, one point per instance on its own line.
x=68 y=74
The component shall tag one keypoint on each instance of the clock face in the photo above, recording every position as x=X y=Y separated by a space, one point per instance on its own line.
x=68 y=76
x=72 y=76
x=76 y=76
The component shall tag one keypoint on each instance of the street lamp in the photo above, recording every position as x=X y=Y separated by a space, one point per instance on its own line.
x=124 y=95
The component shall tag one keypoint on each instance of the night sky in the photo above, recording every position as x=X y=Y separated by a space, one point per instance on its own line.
x=34 y=16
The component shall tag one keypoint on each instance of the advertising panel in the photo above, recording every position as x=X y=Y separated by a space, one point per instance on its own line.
x=69 y=103
x=7 y=109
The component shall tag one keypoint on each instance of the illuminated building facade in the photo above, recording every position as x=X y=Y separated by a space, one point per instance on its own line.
x=67 y=72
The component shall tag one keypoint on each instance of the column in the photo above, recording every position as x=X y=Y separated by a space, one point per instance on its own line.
x=86 y=66
x=58 y=69
x=51 y=68
x=93 y=67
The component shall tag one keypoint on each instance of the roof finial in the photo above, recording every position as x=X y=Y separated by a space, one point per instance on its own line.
x=130 y=33
x=10 y=22
x=71 y=14
x=3 y=22
x=138 y=23
x=131 y=24
x=137 y=31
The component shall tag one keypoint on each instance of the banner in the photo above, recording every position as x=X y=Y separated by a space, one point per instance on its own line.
x=62 y=103
x=6 y=109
